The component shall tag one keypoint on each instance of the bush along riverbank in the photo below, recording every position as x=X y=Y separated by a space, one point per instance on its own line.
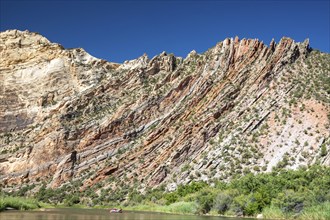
x=18 y=203
x=302 y=194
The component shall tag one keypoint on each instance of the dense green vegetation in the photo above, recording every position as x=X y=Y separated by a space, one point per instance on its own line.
x=18 y=203
x=302 y=193
x=281 y=193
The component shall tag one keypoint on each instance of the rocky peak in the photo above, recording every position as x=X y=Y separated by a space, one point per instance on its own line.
x=272 y=45
x=18 y=47
x=19 y=39
x=162 y=62
x=36 y=75
x=140 y=62
x=191 y=54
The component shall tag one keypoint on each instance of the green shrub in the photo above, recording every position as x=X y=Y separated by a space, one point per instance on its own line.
x=171 y=198
x=222 y=202
x=135 y=197
x=193 y=187
x=205 y=199
x=18 y=203
x=289 y=201
x=247 y=205
x=71 y=200
x=323 y=150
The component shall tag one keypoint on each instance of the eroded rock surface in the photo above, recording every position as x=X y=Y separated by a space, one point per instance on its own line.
x=240 y=106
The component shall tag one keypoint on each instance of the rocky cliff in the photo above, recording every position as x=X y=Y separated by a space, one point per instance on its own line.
x=241 y=106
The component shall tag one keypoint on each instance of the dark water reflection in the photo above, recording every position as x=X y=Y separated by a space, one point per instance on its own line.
x=97 y=214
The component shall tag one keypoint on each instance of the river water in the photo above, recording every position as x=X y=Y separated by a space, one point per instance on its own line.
x=98 y=214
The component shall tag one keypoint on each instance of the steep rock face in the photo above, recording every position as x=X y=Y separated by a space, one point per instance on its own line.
x=240 y=106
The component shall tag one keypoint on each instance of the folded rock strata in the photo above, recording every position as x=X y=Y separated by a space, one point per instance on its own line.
x=240 y=106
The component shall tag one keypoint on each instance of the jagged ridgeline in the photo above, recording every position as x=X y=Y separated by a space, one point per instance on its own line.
x=239 y=107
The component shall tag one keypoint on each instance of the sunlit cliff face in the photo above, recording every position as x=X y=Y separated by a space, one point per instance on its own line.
x=240 y=106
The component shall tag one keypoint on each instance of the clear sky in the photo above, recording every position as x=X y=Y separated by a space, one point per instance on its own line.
x=124 y=30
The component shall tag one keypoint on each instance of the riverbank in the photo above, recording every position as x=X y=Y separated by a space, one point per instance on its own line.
x=82 y=214
x=281 y=194
x=316 y=212
x=187 y=208
x=19 y=203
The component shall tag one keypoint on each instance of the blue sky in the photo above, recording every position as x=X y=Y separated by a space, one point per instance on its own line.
x=124 y=30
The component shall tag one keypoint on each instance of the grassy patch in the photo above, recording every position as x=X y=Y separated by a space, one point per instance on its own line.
x=314 y=212
x=317 y=212
x=273 y=212
x=176 y=208
x=18 y=203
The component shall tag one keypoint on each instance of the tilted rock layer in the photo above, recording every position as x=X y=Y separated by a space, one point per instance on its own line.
x=240 y=106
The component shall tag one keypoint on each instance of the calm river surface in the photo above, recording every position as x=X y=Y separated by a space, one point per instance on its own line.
x=97 y=214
